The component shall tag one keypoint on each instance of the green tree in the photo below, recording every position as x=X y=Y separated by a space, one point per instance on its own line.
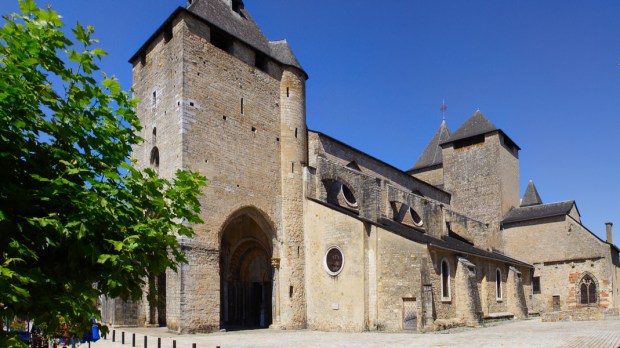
x=77 y=220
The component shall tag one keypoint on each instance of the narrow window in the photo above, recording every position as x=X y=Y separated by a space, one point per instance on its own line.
x=295 y=132
x=261 y=61
x=498 y=284
x=154 y=100
x=290 y=291
x=536 y=285
x=154 y=135
x=167 y=33
x=155 y=158
x=241 y=106
x=287 y=92
x=445 y=280
x=221 y=40
x=293 y=167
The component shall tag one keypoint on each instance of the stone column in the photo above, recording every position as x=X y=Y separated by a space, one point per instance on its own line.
x=275 y=294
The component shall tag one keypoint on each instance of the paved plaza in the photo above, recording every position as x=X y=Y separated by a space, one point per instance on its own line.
x=525 y=333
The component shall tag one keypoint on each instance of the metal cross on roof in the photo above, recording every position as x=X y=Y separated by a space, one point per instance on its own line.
x=443 y=109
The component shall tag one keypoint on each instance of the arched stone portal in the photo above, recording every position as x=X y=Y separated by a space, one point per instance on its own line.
x=246 y=274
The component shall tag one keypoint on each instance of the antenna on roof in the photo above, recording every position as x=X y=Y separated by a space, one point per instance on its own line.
x=443 y=109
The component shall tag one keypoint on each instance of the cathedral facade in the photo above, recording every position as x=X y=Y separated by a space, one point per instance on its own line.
x=303 y=231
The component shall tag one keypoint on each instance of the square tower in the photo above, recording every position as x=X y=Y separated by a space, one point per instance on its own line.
x=481 y=171
x=219 y=98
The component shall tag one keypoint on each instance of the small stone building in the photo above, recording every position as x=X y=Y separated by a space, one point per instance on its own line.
x=301 y=230
x=574 y=269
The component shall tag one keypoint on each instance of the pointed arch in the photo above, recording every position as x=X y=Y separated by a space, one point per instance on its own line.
x=587 y=289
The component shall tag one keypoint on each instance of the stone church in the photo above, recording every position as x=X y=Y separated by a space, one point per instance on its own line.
x=303 y=231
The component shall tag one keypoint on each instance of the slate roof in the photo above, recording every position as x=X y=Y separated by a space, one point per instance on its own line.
x=445 y=242
x=539 y=211
x=431 y=156
x=531 y=196
x=476 y=124
x=240 y=25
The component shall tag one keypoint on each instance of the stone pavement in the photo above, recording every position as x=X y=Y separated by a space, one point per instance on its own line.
x=525 y=333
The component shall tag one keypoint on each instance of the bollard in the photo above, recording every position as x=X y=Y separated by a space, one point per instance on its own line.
x=133 y=339
x=113 y=335
x=193 y=345
x=158 y=342
x=122 y=337
x=174 y=344
x=145 y=343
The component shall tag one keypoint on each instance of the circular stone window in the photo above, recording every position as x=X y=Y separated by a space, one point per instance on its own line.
x=349 y=198
x=334 y=261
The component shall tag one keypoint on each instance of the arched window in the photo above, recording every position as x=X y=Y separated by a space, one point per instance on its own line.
x=155 y=158
x=587 y=288
x=498 y=284
x=445 y=280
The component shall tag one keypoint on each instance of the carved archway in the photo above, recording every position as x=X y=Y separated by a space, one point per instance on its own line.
x=246 y=275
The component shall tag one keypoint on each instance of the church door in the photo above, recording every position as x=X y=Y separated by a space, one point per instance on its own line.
x=247 y=276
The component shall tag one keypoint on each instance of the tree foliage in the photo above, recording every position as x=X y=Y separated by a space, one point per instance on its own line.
x=77 y=220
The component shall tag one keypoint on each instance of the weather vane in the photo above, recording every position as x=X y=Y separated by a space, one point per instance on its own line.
x=443 y=109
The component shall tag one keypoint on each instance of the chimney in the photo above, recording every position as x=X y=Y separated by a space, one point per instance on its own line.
x=610 y=235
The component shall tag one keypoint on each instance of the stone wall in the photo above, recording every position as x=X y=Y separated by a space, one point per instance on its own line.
x=562 y=250
x=432 y=175
x=335 y=302
x=398 y=266
x=157 y=82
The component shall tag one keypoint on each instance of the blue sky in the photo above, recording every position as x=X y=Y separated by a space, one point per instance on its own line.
x=546 y=72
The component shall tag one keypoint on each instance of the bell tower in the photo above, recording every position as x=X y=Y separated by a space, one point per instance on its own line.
x=481 y=171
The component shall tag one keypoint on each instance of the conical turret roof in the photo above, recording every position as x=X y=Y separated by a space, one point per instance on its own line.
x=531 y=196
x=431 y=155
